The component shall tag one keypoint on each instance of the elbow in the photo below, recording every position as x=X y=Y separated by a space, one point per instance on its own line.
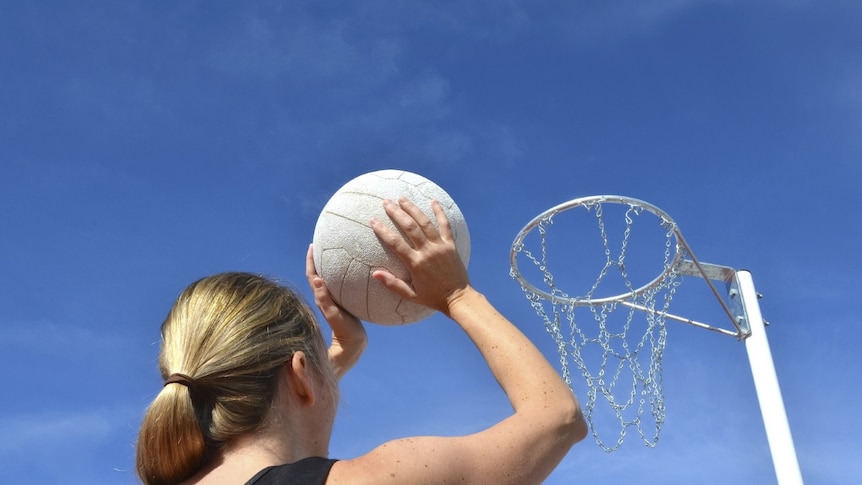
x=579 y=428
x=574 y=425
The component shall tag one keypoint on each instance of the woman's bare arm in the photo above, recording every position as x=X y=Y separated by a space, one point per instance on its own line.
x=523 y=448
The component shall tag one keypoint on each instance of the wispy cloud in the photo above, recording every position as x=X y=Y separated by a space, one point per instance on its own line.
x=52 y=431
x=51 y=446
x=303 y=51
x=55 y=339
x=612 y=20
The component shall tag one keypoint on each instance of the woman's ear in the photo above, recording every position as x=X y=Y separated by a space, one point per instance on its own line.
x=300 y=379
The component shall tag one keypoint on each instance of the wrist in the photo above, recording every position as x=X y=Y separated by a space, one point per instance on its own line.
x=461 y=300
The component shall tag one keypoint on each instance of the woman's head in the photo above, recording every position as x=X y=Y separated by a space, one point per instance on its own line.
x=232 y=335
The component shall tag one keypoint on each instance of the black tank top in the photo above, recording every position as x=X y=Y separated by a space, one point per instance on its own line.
x=308 y=471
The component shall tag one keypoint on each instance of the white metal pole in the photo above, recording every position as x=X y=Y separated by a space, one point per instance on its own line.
x=766 y=383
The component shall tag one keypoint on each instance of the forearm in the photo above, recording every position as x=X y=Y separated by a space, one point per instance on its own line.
x=522 y=371
x=547 y=419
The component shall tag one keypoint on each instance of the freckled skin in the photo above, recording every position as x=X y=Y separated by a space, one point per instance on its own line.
x=521 y=448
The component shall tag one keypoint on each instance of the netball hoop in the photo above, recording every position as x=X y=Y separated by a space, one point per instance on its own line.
x=619 y=263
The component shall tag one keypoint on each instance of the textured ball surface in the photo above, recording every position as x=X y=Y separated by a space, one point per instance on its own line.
x=346 y=250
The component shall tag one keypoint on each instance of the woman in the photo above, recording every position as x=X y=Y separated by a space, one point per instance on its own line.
x=251 y=391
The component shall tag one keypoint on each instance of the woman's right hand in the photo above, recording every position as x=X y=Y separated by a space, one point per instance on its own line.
x=428 y=252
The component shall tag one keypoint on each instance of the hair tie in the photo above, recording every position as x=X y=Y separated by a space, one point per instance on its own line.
x=182 y=379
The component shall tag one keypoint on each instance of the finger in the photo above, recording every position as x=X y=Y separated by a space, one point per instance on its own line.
x=392 y=239
x=409 y=223
x=318 y=286
x=395 y=284
x=445 y=228
x=324 y=301
x=322 y=297
x=310 y=270
x=425 y=223
x=314 y=280
x=344 y=326
x=404 y=222
x=339 y=318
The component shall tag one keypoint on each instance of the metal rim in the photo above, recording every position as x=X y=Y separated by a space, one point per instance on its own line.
x=590 y=201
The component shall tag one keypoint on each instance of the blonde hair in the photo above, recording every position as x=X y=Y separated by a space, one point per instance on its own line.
x=231 y=334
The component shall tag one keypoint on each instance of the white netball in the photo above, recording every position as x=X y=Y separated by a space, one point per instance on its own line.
x=346 y=250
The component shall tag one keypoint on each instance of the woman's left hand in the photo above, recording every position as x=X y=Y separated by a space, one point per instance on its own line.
x=348 y=335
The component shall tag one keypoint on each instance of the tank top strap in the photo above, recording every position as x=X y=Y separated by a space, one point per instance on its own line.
x=308 y=471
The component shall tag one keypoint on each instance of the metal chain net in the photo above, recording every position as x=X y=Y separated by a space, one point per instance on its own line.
x=618 y=350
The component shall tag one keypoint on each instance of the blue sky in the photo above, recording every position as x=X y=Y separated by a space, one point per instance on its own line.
x=146 y=144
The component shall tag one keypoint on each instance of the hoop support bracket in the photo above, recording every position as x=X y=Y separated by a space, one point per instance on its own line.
x=733 y=305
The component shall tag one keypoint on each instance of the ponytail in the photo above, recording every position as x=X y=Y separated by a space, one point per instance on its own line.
x=171 y=444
